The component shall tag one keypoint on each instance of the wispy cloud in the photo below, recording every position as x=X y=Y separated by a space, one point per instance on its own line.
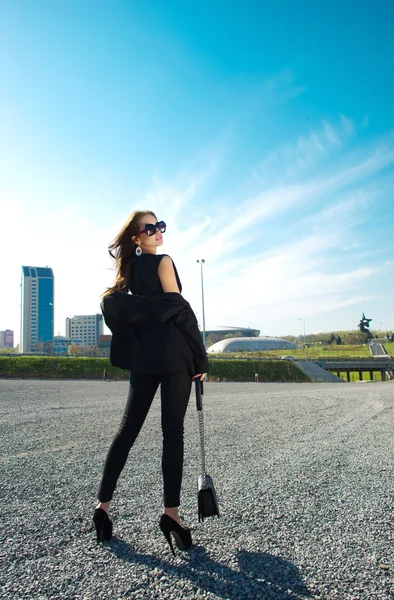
x=314 y=219
x=285 y=242
x=181 y=192
x=281 y=88
x=278 y=202
x=293 y=159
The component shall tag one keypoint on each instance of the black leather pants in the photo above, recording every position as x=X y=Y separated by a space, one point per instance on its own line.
x=175 y=393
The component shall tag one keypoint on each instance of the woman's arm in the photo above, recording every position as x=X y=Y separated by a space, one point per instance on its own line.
x=166 y=275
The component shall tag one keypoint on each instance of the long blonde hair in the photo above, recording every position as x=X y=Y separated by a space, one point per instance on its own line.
x=122 y=249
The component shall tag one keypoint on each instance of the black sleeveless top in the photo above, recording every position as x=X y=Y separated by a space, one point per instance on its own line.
x=156 y=347
x=143 y=278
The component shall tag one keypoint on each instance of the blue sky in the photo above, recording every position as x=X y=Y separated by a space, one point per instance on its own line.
x=261 y=132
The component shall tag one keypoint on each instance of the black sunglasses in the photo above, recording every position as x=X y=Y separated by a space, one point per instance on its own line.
x=150 y=229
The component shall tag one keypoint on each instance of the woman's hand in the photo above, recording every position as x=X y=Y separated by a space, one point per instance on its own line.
x=200 y=375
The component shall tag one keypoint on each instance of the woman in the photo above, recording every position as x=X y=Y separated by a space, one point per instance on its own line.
x=155 y=335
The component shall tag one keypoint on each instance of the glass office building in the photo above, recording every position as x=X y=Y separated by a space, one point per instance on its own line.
x=37 y=308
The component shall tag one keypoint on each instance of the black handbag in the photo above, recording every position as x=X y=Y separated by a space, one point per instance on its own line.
x=207 y=500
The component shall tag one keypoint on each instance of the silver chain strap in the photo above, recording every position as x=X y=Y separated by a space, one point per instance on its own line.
x=201 y=428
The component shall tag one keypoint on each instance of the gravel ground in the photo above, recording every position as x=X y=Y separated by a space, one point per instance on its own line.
x=304 y=474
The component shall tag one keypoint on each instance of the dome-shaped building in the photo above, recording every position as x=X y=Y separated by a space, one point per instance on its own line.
x=251 y=344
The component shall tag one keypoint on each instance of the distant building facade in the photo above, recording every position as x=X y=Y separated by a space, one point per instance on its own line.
x=228 y=330
x=86 y=328
x=104 y=345
x=251 y=344
x=7 y=339
x=37 y=308
x=59 y=346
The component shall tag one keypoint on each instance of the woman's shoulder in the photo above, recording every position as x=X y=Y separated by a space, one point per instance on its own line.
x=165 y=257
x=153 y=260
x=162 y=261
x=168 y=274
x=156 y=257
x=165 y=263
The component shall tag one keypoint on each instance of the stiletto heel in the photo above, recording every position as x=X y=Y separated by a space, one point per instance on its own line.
x=169 y=540
x=182 y=535
x=103 y=525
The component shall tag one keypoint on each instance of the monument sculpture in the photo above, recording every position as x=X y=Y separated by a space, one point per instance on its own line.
x=364 y=325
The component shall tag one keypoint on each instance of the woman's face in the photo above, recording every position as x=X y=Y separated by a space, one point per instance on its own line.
x=149 y=243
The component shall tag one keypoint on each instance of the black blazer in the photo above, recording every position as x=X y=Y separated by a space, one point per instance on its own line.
x=154 y=334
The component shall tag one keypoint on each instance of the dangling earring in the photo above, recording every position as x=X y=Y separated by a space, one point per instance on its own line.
x=138 y=251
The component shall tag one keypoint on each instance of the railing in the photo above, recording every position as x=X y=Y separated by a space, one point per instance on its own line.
x=352 y=358
x=317 y=359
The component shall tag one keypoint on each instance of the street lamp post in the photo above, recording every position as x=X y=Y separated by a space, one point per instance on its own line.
x=385 y=327
x=303 y=320
x=201 y=263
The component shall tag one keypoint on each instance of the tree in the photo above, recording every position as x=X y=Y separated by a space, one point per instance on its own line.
x=212 y=339
x=73 y=349
x=39 y=347
x=290 y=338
x=351 y=339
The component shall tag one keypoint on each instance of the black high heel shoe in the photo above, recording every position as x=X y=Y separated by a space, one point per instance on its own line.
x=182 y=535
x=103 y=525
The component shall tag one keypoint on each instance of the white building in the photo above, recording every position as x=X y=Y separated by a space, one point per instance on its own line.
x=251 y=344
x=86 y=328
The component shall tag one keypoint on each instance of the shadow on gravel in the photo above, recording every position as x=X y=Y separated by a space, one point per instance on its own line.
x=260 y=575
